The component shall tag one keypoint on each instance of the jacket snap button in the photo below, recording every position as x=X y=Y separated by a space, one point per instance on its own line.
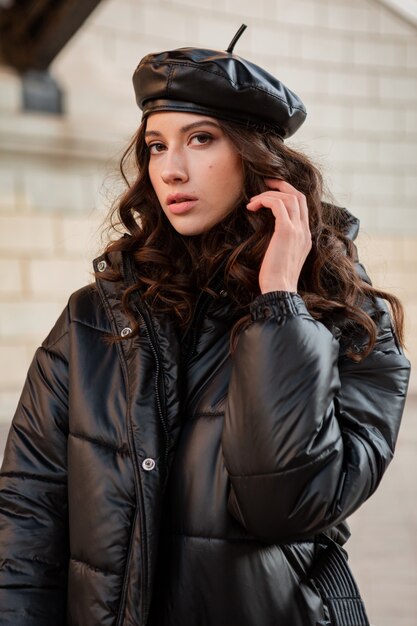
x=148 y=464
x=101 y=266
x=267 y=311
x=126 y=331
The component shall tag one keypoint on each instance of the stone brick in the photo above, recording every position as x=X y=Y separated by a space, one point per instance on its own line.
x=367 y=210
x=412 y=314
x=352 y=86
x=347 y=16
x=8 y=403
x=400 y=88
x=374 y=184
x=389 y=23
x=51 y=278
x=241 y=9
x=28 y=319
x=353 y=152
x=13 y=361
x=410 y=116
x=383 y=250
x=326 y=48
x=79 y=236
x=10 y=277
x=26 y=235
x=171 y=23
x=54 y=188
x=376 y=274
x=400 y=154
x=112 y=93
x=128 y=51
x=101 y=187
x=205 y=7
x=379 y=52
x=114 y=17
x=11 y=90
x=300 y=13
x=410 y=251
x=304 y=81
x=272 y=41
x=325 y=115
x=90 y=47
x=339 y=183
x=398 y=219
x=412 y=55
x=399 y=282
x=8 y=196
x=379 y=119
x=411 y=327
x=28 y=127
x=27 y=138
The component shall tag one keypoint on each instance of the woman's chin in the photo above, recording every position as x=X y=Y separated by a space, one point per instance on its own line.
x=191 y=230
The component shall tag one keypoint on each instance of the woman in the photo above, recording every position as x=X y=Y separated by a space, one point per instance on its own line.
x=200 y=422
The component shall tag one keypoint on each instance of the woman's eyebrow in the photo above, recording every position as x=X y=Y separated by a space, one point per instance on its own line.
x=183 y=129
x=187 y=127
x=153 y=133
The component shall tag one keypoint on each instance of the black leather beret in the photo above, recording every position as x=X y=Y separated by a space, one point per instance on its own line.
x=219 y=84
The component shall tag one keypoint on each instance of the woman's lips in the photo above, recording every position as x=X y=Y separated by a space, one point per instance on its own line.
x=180 y=202
x=181 y=207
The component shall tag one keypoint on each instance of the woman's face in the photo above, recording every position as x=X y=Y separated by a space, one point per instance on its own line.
x=194 y=169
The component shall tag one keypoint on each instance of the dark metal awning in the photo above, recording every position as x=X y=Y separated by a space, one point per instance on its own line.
x=32 y=32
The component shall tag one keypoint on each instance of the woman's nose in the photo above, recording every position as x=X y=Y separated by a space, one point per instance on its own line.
x=174 y=169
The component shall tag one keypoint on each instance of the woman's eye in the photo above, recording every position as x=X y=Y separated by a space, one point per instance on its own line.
x=154 y=148
x=201 y=138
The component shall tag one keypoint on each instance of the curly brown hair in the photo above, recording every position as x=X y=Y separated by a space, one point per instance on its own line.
x=172 y=269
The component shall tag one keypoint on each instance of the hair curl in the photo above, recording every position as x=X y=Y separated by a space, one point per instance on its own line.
x=329 y=283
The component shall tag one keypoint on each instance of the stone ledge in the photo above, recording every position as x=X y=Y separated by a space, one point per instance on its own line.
x=40 y=134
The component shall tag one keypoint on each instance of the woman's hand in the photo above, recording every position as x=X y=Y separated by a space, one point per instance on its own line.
x=291 y=240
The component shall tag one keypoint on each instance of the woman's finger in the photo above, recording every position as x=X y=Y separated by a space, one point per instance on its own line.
x=283 y=214
x=282 y=185
x=285 y=187
x=265 y=199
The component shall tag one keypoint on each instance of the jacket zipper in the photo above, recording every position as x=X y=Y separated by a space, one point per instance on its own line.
x=159 y=383
x=160 y=402
x=129 y=272
x=139 y=505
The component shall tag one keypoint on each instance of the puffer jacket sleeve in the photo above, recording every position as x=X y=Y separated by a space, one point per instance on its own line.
x=308 y=432
x=33 y=494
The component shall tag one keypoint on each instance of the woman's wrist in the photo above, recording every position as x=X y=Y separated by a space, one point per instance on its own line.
x=278 y=286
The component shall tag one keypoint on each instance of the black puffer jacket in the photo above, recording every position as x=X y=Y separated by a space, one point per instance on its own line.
x=241 y=469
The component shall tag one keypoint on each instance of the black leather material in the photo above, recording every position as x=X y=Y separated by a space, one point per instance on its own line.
x=255 y=455
x=219 y=84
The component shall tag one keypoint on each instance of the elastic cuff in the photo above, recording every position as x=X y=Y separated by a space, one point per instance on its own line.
x=277 y=304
